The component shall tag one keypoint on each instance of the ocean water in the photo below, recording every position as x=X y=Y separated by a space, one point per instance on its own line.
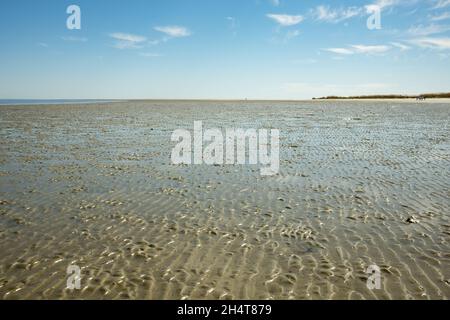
x=51 y=101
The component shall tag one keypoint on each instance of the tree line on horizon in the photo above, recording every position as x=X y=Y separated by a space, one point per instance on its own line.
x=389 y=96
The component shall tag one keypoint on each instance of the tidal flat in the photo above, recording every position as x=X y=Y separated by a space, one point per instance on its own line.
x=360 y=183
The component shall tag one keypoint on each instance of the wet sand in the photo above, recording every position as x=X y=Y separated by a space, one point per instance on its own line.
x=360 y=183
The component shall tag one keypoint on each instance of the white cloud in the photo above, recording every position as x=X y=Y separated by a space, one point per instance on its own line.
x=370 y=49
x=440 y=17
x=286 y=20
x=441 y=4
x=127 y=40
x=401 y=46
x=422 y=30
x=128 y=37
x=325 y=13
x=340 y=50
x=433 y=43
x=174 y=31
x=360 y=49
x=385 y=4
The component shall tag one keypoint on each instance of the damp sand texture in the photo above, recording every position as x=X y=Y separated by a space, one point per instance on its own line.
x=360 y=184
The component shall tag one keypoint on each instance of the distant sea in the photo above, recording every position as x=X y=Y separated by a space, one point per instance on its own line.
x=55 y=101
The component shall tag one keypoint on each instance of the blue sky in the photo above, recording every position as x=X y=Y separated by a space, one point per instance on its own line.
x=222 y=49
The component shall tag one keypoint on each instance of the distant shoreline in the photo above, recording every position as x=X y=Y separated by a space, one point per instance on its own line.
x=49 y=102
x=389 y=97
x=399 y=100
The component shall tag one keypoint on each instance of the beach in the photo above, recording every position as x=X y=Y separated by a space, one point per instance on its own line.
x=360 y=183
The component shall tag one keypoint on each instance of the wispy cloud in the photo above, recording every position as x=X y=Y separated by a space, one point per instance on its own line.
x=360 y=49
x=340 y=51
x=127 y=40
x=327 y=14
x=401 y=46
x=43 y=44
x=441 y=4
x=422 y=30
x=433 y=43
x=174 y=31
x=286 y=20
x=370 y=49
x=440 y=17
x=386 y=4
